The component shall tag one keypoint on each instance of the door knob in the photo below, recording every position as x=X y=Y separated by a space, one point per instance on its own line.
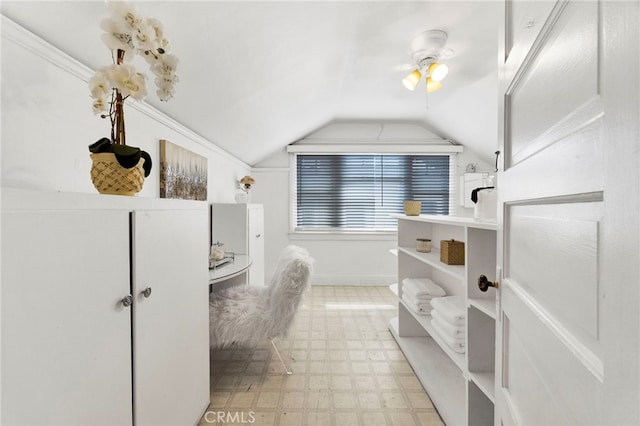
x=127 y=301
x=146 y=292
x=484 y=283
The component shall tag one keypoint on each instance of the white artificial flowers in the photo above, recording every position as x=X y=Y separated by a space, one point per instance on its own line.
x=128 y=34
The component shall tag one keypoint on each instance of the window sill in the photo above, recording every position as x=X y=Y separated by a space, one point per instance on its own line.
x=343 y=236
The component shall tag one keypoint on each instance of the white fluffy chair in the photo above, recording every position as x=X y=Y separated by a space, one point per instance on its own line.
x=245 y=315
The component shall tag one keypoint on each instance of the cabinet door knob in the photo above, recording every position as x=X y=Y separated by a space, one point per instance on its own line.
x=146 y=292
x=127 y=301
x=484 y=283
x=258 y=235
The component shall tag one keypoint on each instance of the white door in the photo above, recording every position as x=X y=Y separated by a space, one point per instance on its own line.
x=66 y=336
x=170 y=321
x=568 y=335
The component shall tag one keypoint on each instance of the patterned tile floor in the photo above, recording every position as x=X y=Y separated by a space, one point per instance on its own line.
x=347 y=369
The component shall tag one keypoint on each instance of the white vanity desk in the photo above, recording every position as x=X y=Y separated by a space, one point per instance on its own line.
x=237 y=268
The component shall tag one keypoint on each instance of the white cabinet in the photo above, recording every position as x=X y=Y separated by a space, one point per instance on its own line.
x=462 y=386
x=72 y=352
x=240 y=227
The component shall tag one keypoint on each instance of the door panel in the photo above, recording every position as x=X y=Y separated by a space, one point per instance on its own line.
x=542 y=368
x=571 y=163
x=524 y=21
x=66 y=342
x=553 y=255
x=540 y=103
x=171 y=326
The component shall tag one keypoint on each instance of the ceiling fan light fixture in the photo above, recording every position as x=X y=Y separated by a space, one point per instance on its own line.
x=412 y=80
x=438 y=71
x=427 y=48
x=432 y=85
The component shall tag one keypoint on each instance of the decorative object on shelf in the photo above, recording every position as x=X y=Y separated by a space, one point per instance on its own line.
x=109 y=177
x=423 y=245
x=242 y=195
x=217 y=252
x=183 y=174
x=127 y=34
x=218 y=256
x=452 y=252
x=412 y=207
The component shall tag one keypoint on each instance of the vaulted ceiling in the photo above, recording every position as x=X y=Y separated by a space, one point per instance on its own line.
x=257 y=76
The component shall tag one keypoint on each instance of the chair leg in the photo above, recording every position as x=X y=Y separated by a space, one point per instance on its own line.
x=287 y=369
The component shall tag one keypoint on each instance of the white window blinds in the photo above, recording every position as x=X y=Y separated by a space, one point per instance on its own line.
x=359 y=191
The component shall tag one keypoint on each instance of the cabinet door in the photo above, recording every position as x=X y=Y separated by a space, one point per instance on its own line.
x=256 y=246
x=66 y=342
x=171 y=325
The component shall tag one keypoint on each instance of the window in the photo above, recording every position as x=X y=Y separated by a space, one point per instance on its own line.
x=358 y=192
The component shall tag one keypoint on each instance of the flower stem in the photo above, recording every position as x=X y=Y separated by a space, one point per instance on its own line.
x=119 y=136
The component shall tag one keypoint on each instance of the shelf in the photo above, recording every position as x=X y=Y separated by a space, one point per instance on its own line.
x=439 y=376
x=461 y=386
x=394 y=252
x=488 y=306
x=449 y=220
x=394 y=288
x=433 y=259
x=425 y=321
x=486 y=383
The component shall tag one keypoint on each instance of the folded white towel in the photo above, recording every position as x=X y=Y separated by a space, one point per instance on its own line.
x=420 y=304
x=455 y=344
x=455 y=331
x=414 y=296
x=421 y=309
x=452 y=309
x=423 y=287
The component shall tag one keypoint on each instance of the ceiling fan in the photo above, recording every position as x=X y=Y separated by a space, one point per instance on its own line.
x=426 y=50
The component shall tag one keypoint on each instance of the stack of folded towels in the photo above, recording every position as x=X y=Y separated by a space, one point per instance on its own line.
x=417 y=294
x=448 y=320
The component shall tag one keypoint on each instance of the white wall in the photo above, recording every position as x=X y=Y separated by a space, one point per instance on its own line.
x=340 y=260
x=47 y=125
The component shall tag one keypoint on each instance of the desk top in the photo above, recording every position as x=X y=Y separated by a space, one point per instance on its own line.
x=241 y=263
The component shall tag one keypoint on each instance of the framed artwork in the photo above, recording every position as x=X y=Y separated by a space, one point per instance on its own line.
x=183 y=174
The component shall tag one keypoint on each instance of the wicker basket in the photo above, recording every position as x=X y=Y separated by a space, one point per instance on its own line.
x=412 y=208
x=423 y=245
x=109 y=177
x=452 y=252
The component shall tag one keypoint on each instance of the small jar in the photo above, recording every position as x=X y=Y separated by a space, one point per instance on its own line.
x=423 y=245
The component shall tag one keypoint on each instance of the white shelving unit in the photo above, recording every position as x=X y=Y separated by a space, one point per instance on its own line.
x=461 y=386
